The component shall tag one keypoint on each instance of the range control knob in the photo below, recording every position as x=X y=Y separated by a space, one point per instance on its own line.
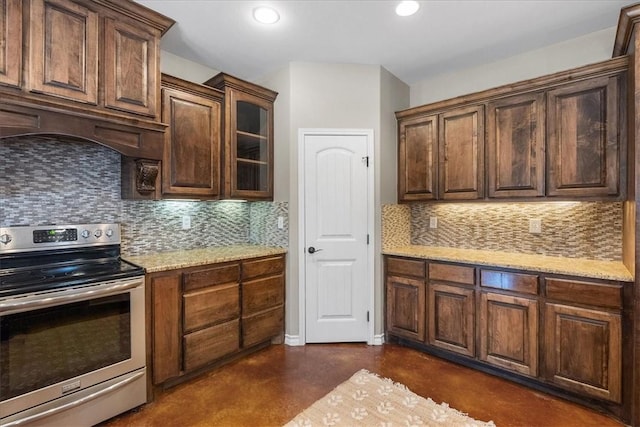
x=97 y=233
x=5 y=239
x=85 y=234
x=109 y=232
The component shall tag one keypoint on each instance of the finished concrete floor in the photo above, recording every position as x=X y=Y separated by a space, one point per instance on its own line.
x=271 y=386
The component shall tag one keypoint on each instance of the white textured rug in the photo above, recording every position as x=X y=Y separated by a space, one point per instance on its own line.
x=366 y=399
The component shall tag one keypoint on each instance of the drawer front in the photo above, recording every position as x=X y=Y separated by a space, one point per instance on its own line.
x=406 y=267
x=452 y=273
x=598 y=294
x=263 y=326
x=214 y=275
x=523 y=283
x=210 y=306
x=262 y=294
x=208 y=345
x=262 y=267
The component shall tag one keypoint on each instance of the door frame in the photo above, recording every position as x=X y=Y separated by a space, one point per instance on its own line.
x=302 y=311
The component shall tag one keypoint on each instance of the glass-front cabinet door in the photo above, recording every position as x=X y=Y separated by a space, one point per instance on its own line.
x=248 y=135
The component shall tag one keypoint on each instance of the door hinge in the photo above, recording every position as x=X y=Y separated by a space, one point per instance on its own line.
x=367 y=239
x=367 y=316
x=365 y=159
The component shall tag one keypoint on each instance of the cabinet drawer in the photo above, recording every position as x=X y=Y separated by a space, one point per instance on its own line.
x=405 y=267
x=209 y=344
x=211 y=276
x=211 y=305
x=262 y=294
x=598 y=294
x=262 y=267
x=523 y=283
x=452 y=273
x=262 y=326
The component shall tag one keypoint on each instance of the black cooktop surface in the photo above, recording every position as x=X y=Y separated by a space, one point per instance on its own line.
x=43 y=271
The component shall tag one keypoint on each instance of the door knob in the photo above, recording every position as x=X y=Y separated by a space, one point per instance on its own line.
x=313 y=250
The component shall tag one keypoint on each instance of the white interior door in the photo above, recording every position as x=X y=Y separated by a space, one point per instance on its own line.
x=336 y=200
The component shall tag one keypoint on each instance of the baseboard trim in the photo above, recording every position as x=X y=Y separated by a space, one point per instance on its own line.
x=292 y=340
x=378 y=339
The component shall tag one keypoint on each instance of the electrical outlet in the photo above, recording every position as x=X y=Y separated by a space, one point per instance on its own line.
x=535 y=226
x=186 y=222
x=433 y=222
x=280 y=222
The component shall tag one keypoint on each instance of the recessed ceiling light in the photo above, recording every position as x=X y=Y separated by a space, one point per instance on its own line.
x=266 y=15
x=407 y=8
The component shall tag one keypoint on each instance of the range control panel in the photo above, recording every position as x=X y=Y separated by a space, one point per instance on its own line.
x=33 y=238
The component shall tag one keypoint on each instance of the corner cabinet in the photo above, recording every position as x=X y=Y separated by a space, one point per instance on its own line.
x=192 y=149
x=561 y=136
x=248 y=138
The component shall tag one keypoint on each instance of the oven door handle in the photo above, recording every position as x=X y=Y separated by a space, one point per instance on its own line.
x=34 y=302
x=76 y=402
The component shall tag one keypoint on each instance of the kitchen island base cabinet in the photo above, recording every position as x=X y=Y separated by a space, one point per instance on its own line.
x=203 y=316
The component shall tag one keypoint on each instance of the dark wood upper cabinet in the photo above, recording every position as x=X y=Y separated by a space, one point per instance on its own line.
x=132 y=63
x=559 y=136
x=418 y=158
x=584 y=138
x=461 y=144
x=248 y=138
x=10 y=42
x=515 y=146
x=192 y=141
x=64 y=50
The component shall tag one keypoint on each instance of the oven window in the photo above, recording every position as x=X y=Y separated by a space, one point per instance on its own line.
x=46 y=346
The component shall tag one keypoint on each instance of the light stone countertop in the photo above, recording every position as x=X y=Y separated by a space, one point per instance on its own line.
x=609 y=270
x=194 y=257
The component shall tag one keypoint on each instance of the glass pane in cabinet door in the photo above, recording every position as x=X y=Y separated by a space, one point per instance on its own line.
x=250 y=147
x=252 y=119
x=252 y=176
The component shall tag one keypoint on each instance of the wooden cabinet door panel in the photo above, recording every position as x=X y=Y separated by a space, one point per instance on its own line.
x=167 y=326
x=583 y=350
x=131 y=68
x=192 y=144
x=418 y=159
x=262 y=294
x=406 y=300
x=207 y=345
x=63 y=59
x=263 y=326
x=461 y=153
x=515 y=161
x=584 y=138
x=10 y=42
x=509 y=332
x=451 y=315
x=211 y=305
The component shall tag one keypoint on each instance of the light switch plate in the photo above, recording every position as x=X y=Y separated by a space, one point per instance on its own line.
x=433 y=222
x=280 y=222
x=535 y=226
x=186 y=222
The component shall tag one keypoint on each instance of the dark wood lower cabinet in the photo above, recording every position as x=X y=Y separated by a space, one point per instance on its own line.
x=202 y=316
x=509 y=332
x=451 y=317
x=583 y=350
x=556 y=333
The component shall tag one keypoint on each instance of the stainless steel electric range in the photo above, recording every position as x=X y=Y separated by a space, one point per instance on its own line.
x=72 y=336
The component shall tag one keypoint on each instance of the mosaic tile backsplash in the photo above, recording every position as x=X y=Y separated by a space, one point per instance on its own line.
x=55 y=181
x=571 y=229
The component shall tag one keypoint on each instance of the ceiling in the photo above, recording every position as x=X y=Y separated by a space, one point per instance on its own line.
x=443 y=36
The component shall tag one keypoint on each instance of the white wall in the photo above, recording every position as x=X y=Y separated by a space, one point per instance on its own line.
x=183 y=68
x=573 y=53
x=314 y=95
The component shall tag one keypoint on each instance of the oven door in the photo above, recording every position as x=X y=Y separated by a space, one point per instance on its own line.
x=57 y=344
